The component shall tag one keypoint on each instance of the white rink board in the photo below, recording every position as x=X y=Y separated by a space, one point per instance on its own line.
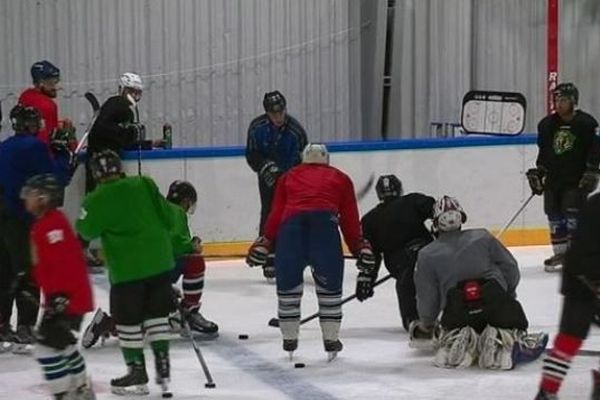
x=488 y=181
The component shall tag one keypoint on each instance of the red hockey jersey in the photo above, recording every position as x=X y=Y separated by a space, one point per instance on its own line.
x=316 y=187
x=47 y=107
x=59 y=265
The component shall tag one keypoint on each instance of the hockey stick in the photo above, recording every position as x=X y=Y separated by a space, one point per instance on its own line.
x=186 y=327
x=515 y=215
x=362 y=192
x=136 y=113
x=93 y=100
x=274 y=322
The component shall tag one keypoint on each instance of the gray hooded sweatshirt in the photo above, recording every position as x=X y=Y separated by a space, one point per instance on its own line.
x=457 y=256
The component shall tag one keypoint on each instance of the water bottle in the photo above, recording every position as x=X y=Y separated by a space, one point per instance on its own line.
x=168 y=136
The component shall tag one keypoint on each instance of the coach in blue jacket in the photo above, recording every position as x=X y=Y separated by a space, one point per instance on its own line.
x=275 y=144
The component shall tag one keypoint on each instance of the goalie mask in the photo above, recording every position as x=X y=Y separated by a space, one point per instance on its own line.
x=183 y=191
x=388 y=187
x=448 y=215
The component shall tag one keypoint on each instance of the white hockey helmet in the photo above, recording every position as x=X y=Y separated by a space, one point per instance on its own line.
x=315 y=153
x=131 y=80
x=448 y=215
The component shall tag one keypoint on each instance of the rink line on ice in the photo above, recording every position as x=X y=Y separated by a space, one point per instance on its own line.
x=253 y=364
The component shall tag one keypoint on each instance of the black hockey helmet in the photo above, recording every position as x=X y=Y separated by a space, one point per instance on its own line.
x=44 y=185
x=180 y=191
x=25 y=119
x=567 y=90
x=105 y=163
x=42 y=70
x=274 y=101
x=388 y=187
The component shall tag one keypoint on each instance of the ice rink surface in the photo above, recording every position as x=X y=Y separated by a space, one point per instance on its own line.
x=376 y=362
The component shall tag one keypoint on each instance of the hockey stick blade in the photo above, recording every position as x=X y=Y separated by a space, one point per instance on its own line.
x=93 y=100
x=274 y=322
x=362 y=192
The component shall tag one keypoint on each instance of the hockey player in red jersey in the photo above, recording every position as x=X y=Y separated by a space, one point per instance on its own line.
x=311 y=201
x=46 y=78
x=60 y=271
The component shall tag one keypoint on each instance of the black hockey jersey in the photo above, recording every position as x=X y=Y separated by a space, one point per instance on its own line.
x=110 y=130
x=566 y=149
x=392 y=225
x=583 y=256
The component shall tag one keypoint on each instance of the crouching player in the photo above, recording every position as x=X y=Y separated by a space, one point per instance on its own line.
x=471 y=278
x=189 y=261
x=311 y=201
x=61 y=272
x=133 y=221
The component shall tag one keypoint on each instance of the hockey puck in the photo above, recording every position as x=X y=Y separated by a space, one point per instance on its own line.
x=167 y=395
x=242 y=336
x=299 y=365
x=210 y=385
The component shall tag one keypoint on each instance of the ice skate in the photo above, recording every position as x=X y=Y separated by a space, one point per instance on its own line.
x=83 y=392
x=163 y=373
x=23 y=340
x=554 y=263
x=199 y=326
x=290 y=345
x=101 y=326
x=134 y=383
x=332 y=347
x=7 y=338
x=543 y=395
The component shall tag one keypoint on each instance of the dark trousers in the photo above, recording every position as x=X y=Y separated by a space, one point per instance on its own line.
x=495 y=307
x=132 y=303
x=577 y=316
x=15 y=257
x=266 y=199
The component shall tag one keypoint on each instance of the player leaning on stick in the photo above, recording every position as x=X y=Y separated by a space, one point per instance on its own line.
x=311 y=202
x=275 y=143
x=566 y=167
x=60 y=271
x=133 y=221
x=581 y=302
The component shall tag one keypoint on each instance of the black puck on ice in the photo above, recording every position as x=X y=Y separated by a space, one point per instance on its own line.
x=242 y=336
x=210 y=385
x=299 y=365
x=167 y=395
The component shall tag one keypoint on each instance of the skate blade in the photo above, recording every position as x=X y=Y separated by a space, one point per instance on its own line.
x=22 y=349
x=553 y=268
x=331 y=355
x=198 y=335
x=137 y=390
x=164 y=387
x=421 y=344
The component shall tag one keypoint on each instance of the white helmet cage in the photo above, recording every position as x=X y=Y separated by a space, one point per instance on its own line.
x=315 y=153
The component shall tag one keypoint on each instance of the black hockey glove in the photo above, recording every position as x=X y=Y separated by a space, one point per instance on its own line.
x=364 y=286
x=56 y=306
x=589 y=181
x=365 y=258
x=269 y=173
x=535 y=177
x=258 y=252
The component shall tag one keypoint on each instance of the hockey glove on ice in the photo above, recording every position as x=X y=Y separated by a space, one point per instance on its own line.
x=589 y=181
x=269 y=173
x=258 y=252
x=535 y=177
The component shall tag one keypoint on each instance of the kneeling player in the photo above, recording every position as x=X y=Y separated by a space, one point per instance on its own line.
x=60 y=270
x=311 y=201
x=581 y=304
x=133 y=221
x=473 y=278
